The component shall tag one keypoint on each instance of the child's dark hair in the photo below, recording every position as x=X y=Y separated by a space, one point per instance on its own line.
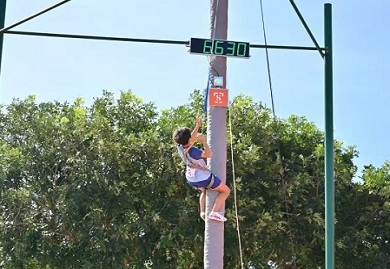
x=182 y=135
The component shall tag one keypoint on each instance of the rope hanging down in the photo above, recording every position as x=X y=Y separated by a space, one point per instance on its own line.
x=235 y=191
x=277 y=132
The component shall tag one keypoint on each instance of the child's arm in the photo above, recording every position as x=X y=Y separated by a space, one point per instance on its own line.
x=207 y=153
x=198 y=125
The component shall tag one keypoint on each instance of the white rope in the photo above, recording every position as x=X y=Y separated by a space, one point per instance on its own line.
x=235 y=191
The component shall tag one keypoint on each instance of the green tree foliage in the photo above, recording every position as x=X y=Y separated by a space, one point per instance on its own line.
x=364 y=240
x=101 y=186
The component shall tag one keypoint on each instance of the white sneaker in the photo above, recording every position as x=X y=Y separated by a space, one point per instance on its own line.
x=217 y=216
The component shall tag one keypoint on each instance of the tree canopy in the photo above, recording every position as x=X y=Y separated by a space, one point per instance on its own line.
x=101 y=186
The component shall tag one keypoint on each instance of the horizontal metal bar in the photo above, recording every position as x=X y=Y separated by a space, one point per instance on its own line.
x=5 y=29
x=284 y=47
x=106 y=38
x=144 y=40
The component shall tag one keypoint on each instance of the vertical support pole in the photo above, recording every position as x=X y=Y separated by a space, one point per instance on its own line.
x=216 y=136
x=329 y=144
x=3 y=4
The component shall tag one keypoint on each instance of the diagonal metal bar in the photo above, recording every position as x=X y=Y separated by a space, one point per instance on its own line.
x=144 y=40
x=33 y=16
x=307 y=28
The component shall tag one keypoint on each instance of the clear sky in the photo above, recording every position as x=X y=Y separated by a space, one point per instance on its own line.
x=64 y=69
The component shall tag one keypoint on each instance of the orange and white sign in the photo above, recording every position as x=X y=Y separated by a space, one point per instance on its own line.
x=219 y=97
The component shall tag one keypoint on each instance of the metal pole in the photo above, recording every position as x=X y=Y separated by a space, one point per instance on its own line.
x=329 y=146
x=3 y=4
x=216 y=134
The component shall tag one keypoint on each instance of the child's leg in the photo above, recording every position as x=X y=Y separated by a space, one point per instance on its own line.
x=224 y=192
x=202 y=203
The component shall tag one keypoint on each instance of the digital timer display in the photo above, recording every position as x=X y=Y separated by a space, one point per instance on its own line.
x=220 y=47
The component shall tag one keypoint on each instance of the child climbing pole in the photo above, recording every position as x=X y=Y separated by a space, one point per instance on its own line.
x=197 y=173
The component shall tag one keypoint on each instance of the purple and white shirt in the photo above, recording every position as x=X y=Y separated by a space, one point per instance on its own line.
x=191 y=159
